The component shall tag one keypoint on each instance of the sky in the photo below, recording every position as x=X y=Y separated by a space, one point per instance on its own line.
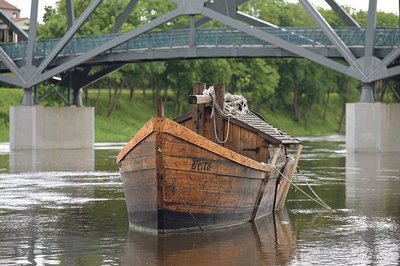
x=383 y=5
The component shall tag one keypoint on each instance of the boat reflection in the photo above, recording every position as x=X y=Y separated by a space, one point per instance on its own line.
x=372 y=183
x=268 y=241
x=51 y=160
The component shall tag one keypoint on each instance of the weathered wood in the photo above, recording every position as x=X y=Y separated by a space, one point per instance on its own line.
x=198 y=110
x=179 y=131
x=218 y=127
x=138 y=164
x=139 y=136
x=174 y=178
x=266 y=195
x=199 y=99
x=160 y=108
x=284 y=187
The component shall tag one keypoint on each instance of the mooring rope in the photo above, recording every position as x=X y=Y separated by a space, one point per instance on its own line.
x=318 y=200
x=183 y=198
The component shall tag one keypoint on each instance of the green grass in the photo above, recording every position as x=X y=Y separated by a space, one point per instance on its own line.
x=8 y=97
x=130 y=116
x=317 y=126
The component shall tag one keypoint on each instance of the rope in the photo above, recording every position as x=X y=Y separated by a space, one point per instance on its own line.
x=235 y=106
x=183 y=199
x=318 y=200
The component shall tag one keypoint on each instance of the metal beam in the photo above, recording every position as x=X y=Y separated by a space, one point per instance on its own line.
x=13 y=26
x=390 y=72
x=11 y=65
x=389 y=58
x=11 y=80
x=70 y=13
x=30 y=50
x=342 y=14
x=253 y=21
x=67 y=37
x=282 y=43
x=371 y=28
x=100 y=74
x=123 y=16
x=330 y=33
x=107 y=46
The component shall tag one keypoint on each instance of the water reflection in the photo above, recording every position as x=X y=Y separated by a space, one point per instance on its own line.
x=51 y=160
x=269 y=241
x=79 y=217
x=373 y=183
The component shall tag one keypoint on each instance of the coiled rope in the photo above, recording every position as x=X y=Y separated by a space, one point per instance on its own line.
x=235 y=106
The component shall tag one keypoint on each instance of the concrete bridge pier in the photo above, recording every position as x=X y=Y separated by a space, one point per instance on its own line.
x=38 y=127
x=372 y=127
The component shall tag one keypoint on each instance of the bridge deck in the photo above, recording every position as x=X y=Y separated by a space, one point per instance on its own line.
x=352 y=37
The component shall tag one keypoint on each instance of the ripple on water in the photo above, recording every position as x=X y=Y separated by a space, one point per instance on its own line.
x=54 y=189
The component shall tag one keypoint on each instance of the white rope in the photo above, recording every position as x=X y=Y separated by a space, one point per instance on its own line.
x=318 y=200
x=235 y=106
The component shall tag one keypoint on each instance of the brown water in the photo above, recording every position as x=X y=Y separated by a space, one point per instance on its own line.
x=68 y=208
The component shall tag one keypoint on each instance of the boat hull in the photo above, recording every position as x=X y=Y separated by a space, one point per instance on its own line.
x=176 y=180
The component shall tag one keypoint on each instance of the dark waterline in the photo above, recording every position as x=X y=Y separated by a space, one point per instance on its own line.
x=68 y=208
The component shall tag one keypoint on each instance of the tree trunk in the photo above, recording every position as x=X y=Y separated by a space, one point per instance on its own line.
x=113 y=106
x=326 y=104
x=131 y=92
x=342 y=119
x=296 y=105
x=97 y=97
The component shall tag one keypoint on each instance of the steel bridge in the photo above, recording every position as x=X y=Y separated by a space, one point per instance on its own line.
x=367 y=54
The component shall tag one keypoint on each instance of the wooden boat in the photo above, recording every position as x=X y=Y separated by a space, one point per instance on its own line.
x=177 y=178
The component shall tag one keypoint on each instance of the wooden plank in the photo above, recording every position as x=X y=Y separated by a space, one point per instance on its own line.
x=209 y=182
x=208 y=133
x=244 y=135
x=284 y=188
x=139 y=136
x=189 y=136
x=199 y=99
x=137 y=164
x=213 y=167
x=146 y=147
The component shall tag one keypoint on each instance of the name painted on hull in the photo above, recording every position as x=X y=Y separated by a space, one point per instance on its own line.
x=201 y=166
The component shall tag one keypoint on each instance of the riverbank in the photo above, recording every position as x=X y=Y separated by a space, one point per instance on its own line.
x=128 y=116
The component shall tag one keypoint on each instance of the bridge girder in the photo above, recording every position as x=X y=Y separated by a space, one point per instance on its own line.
x=367 y=67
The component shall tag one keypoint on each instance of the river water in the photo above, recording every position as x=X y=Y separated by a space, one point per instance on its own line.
x=68 y=208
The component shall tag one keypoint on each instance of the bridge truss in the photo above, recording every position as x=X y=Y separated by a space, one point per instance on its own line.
x=368 y=64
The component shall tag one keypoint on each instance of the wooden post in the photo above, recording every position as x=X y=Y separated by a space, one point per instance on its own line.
x=284 y=186
x=198 y=110
x=219 y=120
x=160 y=108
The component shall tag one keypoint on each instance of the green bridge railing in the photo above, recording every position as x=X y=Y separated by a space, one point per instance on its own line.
x=206 y=37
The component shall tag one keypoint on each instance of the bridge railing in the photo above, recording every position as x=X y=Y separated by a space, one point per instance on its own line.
x=206 y=37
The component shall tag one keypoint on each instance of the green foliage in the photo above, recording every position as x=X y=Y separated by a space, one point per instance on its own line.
x=8 y=97
x=298 y=92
